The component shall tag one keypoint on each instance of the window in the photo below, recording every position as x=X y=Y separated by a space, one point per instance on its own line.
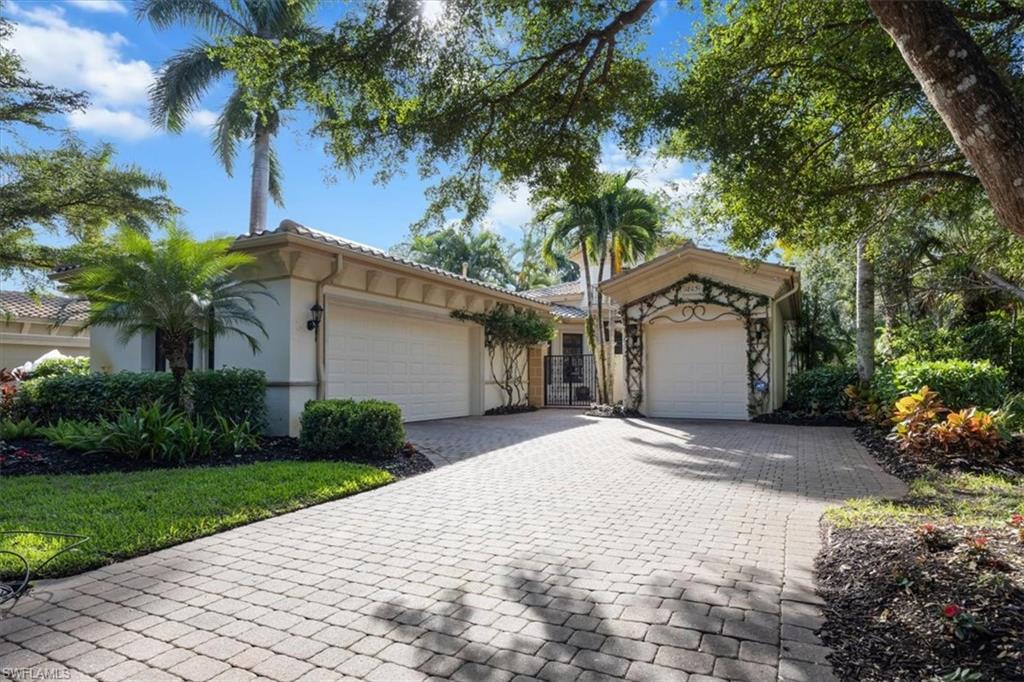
x=572 y=344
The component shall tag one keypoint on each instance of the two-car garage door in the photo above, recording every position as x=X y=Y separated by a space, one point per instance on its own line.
x=421 y=364
x=697 y=370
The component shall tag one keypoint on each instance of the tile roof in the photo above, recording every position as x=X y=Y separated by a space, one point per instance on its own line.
x=563 y=289
x=292 y=227
x=568 y=312
x=20 y=304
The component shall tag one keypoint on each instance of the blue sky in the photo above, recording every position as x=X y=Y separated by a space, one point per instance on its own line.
x=99 y=46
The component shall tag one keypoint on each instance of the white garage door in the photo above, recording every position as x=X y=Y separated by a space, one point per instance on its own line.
x=697 y=370
x=420 y=364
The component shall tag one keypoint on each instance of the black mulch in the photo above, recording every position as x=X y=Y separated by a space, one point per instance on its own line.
x=885 y=594
x=805 y=418
x=514 y=409
x=39 y=456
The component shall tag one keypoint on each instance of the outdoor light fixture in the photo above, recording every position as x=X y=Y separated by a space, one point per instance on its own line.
x=317 y=312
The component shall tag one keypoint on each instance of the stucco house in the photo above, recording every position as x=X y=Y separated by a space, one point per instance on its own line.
x=31 y=326
x=696 y=333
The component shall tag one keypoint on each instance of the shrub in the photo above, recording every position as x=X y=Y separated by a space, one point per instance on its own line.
x=926 y=430
x=372 y=427
x=237 y=394
x=961 y=383
x=1010 y=416
x=74 y=435
x=57 y=367
x=14 y=430
x=822 y=389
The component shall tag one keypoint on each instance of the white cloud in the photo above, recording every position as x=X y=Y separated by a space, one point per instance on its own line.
x=202 y=121
x=124 y=124
x=110 y=6
x=57 y=53
x=510 y=209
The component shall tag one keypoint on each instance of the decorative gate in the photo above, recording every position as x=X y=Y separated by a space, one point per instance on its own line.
x=570 y=380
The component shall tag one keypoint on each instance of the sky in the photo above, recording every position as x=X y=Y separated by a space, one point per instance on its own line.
x=100 y=47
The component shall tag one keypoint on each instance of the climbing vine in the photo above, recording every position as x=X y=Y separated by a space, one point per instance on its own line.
x=688 y=294
x=508 y=334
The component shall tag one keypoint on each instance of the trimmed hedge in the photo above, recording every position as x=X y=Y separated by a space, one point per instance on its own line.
x=960 y=383
x=236 y=394
x=371 y=427
x=820 y=390
x=56 y=367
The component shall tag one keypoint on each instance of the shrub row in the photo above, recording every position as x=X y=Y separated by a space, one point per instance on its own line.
x=371 y=427
x=961 y=383
x=238 y=395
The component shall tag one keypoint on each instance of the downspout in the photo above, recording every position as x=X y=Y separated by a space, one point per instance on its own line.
x=321 y=332
x=778 y=301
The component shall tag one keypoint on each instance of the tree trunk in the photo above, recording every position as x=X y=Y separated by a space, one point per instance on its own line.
x=177 y=359
x=602 y=384
x=260 y=193
x=986 y=122
x=589 y=326
x=865 y=314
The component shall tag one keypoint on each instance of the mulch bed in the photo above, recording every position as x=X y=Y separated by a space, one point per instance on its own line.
x=39 y=456
x=885 y=593
x=890 y=458
x=515 y=409
x=790 y=418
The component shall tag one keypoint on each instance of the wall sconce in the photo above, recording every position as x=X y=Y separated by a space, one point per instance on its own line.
x=317 y=313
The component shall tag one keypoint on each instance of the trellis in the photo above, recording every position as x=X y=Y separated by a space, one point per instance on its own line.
x=687 y=299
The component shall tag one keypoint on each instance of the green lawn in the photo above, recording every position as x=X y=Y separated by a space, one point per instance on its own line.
x=981 y=500
x=126 y=515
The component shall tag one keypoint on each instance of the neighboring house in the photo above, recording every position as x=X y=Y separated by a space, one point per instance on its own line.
x=29 y=327
x=350 y=320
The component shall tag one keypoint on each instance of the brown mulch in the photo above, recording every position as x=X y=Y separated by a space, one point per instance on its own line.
x=885 y=592
x=894 y=462
x=32 y=456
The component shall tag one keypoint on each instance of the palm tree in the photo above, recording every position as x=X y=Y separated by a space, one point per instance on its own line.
x=620 y=222
x=187 y=75
x=183 y=288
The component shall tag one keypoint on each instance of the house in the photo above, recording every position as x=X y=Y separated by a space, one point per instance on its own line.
x=31 y=326
x=349 y=320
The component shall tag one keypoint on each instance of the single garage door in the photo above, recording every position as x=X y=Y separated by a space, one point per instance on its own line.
x=697 y=370
x=420 y=364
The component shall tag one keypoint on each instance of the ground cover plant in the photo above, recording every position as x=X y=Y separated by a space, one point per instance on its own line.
x=128 y=514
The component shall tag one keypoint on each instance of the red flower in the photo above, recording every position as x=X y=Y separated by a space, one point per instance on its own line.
x=926 y=528
x=952 y=610
x=22 y=453
x=1017 y=520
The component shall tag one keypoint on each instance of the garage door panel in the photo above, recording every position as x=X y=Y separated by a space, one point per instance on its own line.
x=420 y=364
x=697 y=370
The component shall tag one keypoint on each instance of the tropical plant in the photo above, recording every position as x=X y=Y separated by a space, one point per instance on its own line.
x=14 y=430
x=480 y=253
x=73 y=434
x=183 y=288
x=508 y=333
x=619 y=224
x=928 y=431
x=187 y=75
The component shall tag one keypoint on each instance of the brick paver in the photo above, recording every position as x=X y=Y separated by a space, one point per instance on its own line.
x=550 y=546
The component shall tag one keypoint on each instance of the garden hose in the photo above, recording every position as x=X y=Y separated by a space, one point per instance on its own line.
x=12 y=591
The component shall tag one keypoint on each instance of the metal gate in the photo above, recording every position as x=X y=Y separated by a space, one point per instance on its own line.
x=570 y=380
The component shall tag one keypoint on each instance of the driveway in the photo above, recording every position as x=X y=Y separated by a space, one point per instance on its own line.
x=549 y=545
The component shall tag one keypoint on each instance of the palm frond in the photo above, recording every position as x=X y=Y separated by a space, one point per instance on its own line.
x=276 y=178
x=180 y=85
x=206 y=14
x=234 y=123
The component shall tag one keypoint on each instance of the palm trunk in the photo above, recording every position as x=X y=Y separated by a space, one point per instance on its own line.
x=601 y=336
x=589 y=327
x=177 y=360
x=260 y=193
x=865 y=314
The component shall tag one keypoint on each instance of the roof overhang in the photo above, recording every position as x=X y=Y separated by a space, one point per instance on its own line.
x=294 y=236
x=768 y=279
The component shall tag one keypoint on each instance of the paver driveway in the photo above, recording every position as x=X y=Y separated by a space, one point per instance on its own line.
x=553 y=546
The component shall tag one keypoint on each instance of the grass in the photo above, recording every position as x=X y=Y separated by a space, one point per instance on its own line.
x=982 y=500
x=128 y=514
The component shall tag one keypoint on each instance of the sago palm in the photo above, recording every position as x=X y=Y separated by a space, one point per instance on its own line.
x=186 y=76
x=183 y=288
